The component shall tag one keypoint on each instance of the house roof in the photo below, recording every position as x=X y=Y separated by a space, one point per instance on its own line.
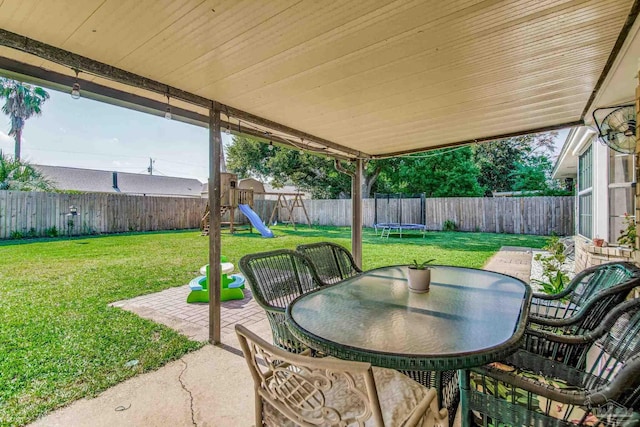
x=374 y=77
x=100 y=181
x=268 y=188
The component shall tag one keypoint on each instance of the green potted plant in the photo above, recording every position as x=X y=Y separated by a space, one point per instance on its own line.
x=420 y=276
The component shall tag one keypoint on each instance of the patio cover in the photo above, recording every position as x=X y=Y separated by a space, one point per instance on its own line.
x=351 y=79
x=374 y=77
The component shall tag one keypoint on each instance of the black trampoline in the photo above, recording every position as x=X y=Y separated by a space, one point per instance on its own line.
x=388 y=214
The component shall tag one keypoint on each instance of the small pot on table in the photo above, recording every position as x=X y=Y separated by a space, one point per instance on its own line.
x=419 y=279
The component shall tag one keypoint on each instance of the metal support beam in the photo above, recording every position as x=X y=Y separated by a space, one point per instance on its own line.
x=215 y=154
x=483 y=139
x=247 y=117
x=53 y=80
x=624 y=33
x=356 y=213
x=84 y=64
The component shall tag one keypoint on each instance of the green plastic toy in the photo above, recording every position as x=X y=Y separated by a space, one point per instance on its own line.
x=231 y=287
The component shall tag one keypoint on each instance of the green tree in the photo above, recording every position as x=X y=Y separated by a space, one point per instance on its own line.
x=532 y=175
x=439 y=173
x=282 y=166
x=309 y=172
x=497 y=160
x=19 y=175
x=22 y=101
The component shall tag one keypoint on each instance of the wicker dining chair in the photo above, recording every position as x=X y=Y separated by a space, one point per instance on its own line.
x=589 y=379
x=295 y=389
x=582 y=305
x=276 y=278
x=332 y=262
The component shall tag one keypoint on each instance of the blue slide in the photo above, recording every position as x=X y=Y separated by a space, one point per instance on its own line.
x=255 y=221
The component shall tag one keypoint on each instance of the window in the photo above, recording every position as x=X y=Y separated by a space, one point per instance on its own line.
x=621 y=191
x=585 y=194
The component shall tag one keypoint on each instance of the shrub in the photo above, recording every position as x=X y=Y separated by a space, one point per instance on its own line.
x=17 y=235
x=449 y=225
x=628 y=234
x=51 y=232
x=20 y=175
x=555 y=277
x=87 y=229
x=555 y=284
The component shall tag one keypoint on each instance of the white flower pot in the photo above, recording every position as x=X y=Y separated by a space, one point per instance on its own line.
x=419 y=280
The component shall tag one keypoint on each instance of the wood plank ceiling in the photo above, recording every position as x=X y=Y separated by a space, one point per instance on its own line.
x=376 y=76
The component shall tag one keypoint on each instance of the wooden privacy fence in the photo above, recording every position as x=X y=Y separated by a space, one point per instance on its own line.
x=515 y=215
x=37 y=213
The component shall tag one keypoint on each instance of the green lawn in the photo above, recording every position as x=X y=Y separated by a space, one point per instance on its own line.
x=59 y=341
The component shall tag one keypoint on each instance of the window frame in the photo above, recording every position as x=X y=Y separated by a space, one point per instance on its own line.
x=585 y=193
x=614 y=231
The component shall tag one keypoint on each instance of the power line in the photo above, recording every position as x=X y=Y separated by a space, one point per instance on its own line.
x=422 y=156
x=111 y=156
x=81 y=152
x=160 y=172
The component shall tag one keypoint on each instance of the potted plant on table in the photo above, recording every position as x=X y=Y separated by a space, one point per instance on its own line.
x=420 y=276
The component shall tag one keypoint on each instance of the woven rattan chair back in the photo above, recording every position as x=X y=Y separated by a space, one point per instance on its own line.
x=603 y=352
x=600 y=278
x=581 y=379
x=589 y=297
x=332 y=262
x=276 y=278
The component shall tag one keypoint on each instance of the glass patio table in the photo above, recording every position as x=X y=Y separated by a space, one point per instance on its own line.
x=468 y=318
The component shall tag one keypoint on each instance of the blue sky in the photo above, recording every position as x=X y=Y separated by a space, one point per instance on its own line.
x=89 y=134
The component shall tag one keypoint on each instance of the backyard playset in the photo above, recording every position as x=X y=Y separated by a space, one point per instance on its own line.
x=234 y=195
x=232 y=198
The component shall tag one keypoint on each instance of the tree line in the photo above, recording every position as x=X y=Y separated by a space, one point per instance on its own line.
x=523 y=164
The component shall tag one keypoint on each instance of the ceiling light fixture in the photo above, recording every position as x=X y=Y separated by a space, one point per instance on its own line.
x=226 y=113
x=270 y=146
x=167 y=114
x=75 y=91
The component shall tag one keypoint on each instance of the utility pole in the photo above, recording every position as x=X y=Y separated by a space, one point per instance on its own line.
x=150 y=168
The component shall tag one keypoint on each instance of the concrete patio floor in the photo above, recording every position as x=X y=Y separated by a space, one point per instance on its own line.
x=211 y=386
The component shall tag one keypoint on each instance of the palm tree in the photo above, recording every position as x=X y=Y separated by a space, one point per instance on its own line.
x=19 y=175
x=22 y=102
